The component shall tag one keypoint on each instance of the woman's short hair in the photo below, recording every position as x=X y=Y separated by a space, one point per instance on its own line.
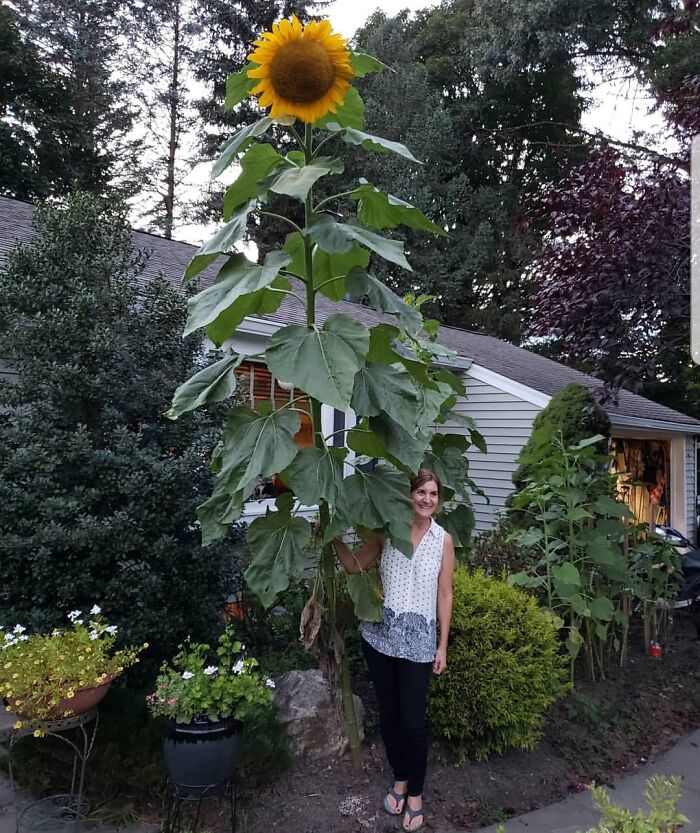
x=423 y=476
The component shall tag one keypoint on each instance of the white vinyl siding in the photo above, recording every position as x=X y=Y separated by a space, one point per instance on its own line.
x=506 y=423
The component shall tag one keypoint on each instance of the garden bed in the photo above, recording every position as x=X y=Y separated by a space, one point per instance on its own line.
x=601 y=732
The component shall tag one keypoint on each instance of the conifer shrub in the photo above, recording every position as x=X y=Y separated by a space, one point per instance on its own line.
x=572 y=413
x=504 y=669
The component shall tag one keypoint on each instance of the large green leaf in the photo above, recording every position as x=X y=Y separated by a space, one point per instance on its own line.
x=238 y=87
x=236 y=278
x=213 y=384
x=366 y=592
x=223 y=241
x=459 y=522
x=377 y=143
x=264 y=302
x=380 y=500
x=216 y=513
x=451 y=466
x=351 y=112
x=316 y=474
x=358 y=282
x=256 y=445
x=379 y=210
x=322 y=362
x=238 y=143
x=364 y=64
x=256 y=163
x=405 y=447
x=277 y=542
x=335 y=237
x=430 y=401
x=297 y=182
x=365 y=442
x=326 y=267
x=380 y=387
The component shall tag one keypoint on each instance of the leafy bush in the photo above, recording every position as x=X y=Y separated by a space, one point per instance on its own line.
x=99 y=490
x=495 y=552
x=573 y=414
x=662 y=795
x=503 y=668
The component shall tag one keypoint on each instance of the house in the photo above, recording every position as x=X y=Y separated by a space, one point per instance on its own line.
x=507 y=387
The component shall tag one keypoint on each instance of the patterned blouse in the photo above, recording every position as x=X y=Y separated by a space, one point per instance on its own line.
x=408 y=628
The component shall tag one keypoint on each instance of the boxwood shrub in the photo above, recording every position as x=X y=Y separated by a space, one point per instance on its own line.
x=504 y=669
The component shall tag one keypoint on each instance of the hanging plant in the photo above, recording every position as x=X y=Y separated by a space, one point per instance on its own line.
x=392 y=374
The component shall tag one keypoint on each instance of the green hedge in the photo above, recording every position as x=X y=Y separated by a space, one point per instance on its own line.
x=504 y=669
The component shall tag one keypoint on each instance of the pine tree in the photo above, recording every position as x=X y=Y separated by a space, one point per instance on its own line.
x=98 y=489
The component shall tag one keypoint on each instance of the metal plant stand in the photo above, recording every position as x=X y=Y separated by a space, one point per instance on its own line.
x=64 y=811
x=177 y=794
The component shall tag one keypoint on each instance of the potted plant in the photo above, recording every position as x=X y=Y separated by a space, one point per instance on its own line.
x=63 y=673
x=205 y=694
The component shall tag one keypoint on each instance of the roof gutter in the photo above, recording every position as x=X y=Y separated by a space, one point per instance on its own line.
x=623 y=421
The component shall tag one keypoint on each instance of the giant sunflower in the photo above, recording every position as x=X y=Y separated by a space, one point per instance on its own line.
x=303 y=70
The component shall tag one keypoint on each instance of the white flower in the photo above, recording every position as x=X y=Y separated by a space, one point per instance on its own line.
x=112 y=629
x=94 y=635
x=210 y=669
x=187 y=675
x=24 y=638
x=19 y=629
x=238 y=667
x=95 y=609
x=73 y=615
x=9 y=637
x=270 y=683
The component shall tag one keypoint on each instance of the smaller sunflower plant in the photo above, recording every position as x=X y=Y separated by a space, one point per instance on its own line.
x=202 y=683
x=39 y=671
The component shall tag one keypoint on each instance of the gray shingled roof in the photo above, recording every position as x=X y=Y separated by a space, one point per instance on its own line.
x=170 y=257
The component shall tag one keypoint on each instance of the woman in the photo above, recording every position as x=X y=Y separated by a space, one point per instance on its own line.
x=400 y=650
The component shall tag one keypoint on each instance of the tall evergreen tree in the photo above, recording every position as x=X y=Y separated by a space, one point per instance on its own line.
x=90 y=117
x=98 y=489
x=463 y=122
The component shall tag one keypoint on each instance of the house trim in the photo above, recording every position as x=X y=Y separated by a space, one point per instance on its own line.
x=507 y=385
x=652 y=426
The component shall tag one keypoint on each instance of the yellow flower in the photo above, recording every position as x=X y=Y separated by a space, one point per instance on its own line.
x=38 y=733
x=17 y=724
x=303 y=71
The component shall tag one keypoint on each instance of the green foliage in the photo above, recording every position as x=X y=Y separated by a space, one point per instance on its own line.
x=572 y=413
x=662 y=795
x=503 y=669
x=575 y=530
x=496 y=553
x=99 y=490
x=40 y=670
x=219 y=683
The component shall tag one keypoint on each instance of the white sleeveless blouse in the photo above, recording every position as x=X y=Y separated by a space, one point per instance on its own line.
x=408 y=627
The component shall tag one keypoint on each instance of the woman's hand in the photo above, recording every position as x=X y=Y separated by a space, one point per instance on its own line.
x=440 y=661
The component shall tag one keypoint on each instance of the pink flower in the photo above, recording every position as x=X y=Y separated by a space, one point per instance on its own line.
x=172 y=701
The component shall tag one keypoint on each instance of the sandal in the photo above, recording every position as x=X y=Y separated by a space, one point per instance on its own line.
x=412 y=814
x=397 y=798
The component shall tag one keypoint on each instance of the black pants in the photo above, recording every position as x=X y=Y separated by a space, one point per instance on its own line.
x=402 y=688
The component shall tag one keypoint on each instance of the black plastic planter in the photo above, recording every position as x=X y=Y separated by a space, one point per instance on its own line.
x=200 y=756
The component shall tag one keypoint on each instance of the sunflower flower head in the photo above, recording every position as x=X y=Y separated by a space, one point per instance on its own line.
x=302 y=71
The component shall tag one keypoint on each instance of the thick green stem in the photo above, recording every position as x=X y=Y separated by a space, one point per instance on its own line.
x=327 y=566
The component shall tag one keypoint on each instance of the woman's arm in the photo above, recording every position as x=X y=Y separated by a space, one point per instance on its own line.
x=444 y=602
x=358 y=562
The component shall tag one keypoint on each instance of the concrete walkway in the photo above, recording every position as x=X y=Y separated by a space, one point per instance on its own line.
x=577 y=813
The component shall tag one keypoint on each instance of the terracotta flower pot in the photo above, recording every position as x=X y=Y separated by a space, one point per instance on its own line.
x=82 y=701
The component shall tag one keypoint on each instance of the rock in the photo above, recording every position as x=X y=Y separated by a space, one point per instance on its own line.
x=315 y=725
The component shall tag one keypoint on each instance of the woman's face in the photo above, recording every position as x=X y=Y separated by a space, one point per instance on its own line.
x=425 y=499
